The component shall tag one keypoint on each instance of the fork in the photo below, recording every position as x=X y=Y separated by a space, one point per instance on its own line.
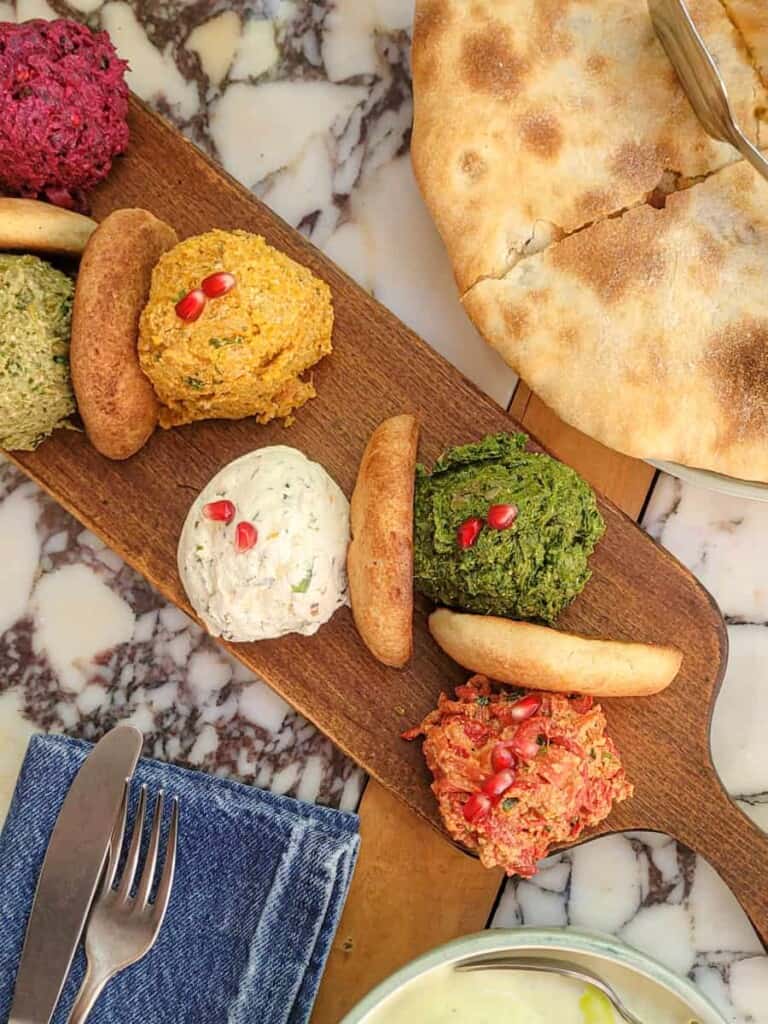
x=700 y=78
x=123 y=928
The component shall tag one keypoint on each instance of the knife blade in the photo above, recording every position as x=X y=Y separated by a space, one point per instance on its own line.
x=70 y=874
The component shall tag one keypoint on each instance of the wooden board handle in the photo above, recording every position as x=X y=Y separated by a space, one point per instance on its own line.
x=734 y=845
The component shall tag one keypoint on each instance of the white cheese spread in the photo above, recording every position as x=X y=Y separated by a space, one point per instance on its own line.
x=293 y=577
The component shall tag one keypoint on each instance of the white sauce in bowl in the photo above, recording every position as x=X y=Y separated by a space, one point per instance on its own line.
x=293 y=578
x=445 y=996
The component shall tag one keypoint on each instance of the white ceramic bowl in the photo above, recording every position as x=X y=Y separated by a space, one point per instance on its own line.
x=602 y=953
x=731 y=485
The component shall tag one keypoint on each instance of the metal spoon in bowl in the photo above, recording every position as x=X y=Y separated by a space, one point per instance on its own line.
x=700 y=78
x=547 y=966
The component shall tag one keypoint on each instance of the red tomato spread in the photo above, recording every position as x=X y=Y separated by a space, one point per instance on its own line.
x=515 y=774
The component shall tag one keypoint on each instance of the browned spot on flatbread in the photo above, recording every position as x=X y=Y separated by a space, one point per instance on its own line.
x=430 y=22
x=472 y=165
x=552 y=37
x=490 y=64
x=596 y=64
x=592 y=203
x=737 y=360
x=541 y=134
x=639 y=165
x=615 y=256
x=569 y=336
x=708 y=257
x=516 y=321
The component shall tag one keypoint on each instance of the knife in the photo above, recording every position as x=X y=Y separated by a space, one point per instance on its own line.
x=70 y=874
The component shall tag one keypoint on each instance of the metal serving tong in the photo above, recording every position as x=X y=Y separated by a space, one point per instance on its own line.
x=700 y=78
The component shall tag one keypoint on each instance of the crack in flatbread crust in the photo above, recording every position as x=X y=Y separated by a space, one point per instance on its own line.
x=650 y=331
x=528 y=112
x=670 y=184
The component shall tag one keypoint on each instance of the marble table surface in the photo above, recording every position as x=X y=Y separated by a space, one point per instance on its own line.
x=309 y=105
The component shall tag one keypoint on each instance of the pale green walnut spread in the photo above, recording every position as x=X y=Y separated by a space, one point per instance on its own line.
x=531 y=570
x=35 y=316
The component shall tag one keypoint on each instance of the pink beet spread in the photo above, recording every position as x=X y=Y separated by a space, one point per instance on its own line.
x=64 y=105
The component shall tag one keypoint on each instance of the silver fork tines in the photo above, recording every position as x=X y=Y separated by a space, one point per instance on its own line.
x=123 y=928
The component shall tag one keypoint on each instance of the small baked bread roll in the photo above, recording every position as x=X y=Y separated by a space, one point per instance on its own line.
x=380 y=557
x=540 y=658
x=33 y=226
x=115 y=399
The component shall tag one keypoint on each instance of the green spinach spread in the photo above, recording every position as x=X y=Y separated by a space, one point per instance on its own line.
x=35 y=317
x=531 y=570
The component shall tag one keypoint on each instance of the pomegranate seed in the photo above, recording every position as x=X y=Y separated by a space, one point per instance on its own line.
x=498 y=784
x=526 y=747
x=501 y=517
x=191 y=306
x=524 y=708
x=468 y=532
x=502 y=757
x=246 y=536
x=525 y=742
x=219 y=511
x=218 y=284
x=477 y=807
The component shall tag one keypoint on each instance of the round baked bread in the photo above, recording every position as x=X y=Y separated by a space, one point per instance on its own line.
x=32 y=226
x=597 y=227
x=536 y=657
x=380 y=556
x=115 y=399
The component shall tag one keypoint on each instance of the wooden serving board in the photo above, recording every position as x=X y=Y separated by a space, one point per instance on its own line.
x=380 y=368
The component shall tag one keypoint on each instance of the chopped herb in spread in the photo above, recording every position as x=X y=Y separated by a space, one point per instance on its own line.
x=530 y=571
x=303 y=587
x=225 y=342
x=194 y=382
x=35 y=315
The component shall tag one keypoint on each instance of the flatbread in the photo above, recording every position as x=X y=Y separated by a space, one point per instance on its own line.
x=650 y=331
x=380 y=557
x=536 y=657
x=751 y=19
x=536 y=117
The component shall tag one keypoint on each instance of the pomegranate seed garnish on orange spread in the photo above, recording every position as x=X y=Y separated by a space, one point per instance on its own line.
x=477 y=807
x=502 y=757
x=246 y=536
x=219 y=511
x=218 y=284
x=498 y=784
x=525 y=708
x=565 y=778
x=191 y=306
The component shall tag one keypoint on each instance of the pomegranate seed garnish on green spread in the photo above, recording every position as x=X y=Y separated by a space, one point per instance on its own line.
x=501 y=517
x=468 y=532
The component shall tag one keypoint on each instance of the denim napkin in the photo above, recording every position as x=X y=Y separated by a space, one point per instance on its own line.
x=260 y=884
